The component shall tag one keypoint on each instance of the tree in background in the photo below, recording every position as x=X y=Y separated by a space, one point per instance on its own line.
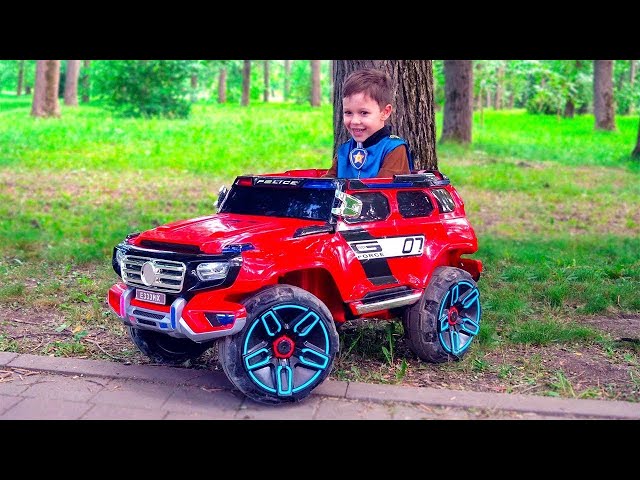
x=145 y=88
x=246 y=82
x=265 y=87
x=632 y=79
x=84 y=81
x=413 y=116
x=287 y=80
x=315 y=83
x=20 y=77
x=498 y=103
x=458 y=104
x=603 y=102
x=222 y=84
x=45 y=96
x=71 y=83
x=636 y=151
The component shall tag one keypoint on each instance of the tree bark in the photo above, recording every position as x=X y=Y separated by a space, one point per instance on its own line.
x=569 y=109
x=413 y=116
x=85 y=81
x=332 y=69
x=636 y=151
x=45 y=96
x=266 y=81
x=20 y=76
x=603 y=104
x=457 y=119
x=500 y=87
x=222 y=85
x=71 y=83
x=315 y=83
x=632 y=81
x=287 y=80
x=246 y=82
x=194 y=87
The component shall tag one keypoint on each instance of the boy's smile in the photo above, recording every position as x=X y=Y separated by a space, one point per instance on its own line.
x=362 y=116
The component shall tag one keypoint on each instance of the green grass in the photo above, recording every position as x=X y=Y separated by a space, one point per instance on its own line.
x=554 y=204
x=567 y=141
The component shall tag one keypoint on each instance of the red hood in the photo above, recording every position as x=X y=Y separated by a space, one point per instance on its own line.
x=213 y=232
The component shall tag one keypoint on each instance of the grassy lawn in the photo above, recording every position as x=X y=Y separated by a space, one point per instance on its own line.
x=555 y=204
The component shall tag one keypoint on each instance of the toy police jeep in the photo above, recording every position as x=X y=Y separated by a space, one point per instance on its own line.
x=287 y=257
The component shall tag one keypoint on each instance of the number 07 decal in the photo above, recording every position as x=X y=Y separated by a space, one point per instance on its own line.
x=388 y=247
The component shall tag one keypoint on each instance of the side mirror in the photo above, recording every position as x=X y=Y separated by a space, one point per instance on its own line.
x=350 y=206
x=222 y=194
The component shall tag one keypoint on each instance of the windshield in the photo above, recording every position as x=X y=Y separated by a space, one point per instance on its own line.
x=305 y=203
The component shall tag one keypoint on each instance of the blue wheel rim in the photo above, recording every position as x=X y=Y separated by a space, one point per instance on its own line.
x=300 y=331
x=459 y=317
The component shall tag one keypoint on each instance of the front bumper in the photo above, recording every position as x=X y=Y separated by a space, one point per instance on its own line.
x=200 y=319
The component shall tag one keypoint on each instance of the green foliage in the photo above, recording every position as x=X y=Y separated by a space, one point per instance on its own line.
x=145 y=88
x=627 y=96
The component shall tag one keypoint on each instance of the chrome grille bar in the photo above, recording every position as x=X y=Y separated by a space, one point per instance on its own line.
x=169 y=277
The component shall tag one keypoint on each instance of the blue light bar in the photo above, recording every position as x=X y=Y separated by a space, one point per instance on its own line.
x=326 y=184
x=237 y=248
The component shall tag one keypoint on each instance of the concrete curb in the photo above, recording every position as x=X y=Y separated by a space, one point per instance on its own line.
x=588 y=408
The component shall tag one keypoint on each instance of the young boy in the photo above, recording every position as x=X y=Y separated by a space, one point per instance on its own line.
x=372 y=151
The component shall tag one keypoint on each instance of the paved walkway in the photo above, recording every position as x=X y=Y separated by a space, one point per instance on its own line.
x=42 y=387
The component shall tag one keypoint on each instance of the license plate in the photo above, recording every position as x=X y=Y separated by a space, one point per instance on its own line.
x=151 y=297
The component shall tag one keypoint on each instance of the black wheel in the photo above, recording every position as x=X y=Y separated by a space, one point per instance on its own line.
x=286 y=349
x=162 y=348
x=441 y=326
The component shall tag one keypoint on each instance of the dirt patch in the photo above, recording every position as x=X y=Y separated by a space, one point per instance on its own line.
x=621 y=327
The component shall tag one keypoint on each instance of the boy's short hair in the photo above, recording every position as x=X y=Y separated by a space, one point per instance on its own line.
x=376 y=84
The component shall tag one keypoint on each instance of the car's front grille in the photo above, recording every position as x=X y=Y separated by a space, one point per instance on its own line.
x=161 y=275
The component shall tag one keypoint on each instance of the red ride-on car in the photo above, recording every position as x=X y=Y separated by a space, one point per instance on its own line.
x=286 y=258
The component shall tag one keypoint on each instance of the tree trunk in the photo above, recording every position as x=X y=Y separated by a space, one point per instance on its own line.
x=632 y=81
x=569 y=109
x=512 y=99
x=194 y=87
x=315 y=83
x=222 y=85
x=457 y=119
x=636 y=151
x=246 y=82
x=603 y=104
x=45 y=96
x=500 y=87
x=71 y=83
x=265 y=92
x=413 y=116
x=332 y=69
x=20 y=76
x=287 y=80
x=85 y=81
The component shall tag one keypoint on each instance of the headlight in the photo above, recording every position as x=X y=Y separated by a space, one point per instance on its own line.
x=119 y=257
x=212 y=271
x=118 y=261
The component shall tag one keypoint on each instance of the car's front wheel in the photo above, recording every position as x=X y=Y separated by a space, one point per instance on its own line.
x=286 y=349
x=164 y=349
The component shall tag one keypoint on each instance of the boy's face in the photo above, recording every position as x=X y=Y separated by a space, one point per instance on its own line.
x=362 y=116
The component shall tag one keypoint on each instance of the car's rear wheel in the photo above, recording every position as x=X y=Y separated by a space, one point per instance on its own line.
x=286 y=349
x=164 y=349
x=441 y=326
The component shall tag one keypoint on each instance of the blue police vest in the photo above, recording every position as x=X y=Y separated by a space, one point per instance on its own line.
x=373 y=157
